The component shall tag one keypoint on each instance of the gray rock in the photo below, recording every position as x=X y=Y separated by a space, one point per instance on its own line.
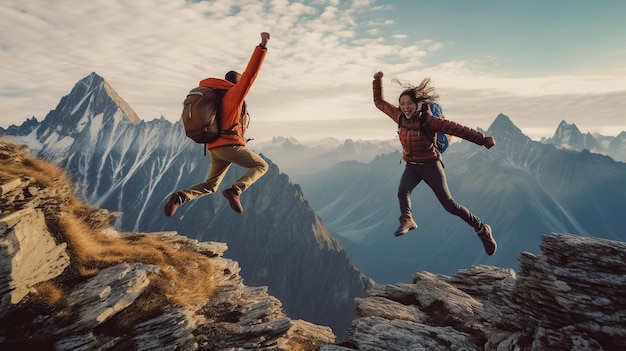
x=570 y=298
x=91 y=312
x=109 y=292
x=28 y=255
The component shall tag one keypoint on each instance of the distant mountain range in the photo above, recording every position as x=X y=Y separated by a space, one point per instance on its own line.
x=298 y=159
x=569 y=137
x=304 y=158
x=523 y=188
x=124 y=164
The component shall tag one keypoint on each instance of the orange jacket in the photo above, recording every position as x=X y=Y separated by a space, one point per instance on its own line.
x=232 y=102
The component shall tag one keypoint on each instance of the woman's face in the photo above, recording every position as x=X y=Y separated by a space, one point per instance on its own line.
x=407 y=106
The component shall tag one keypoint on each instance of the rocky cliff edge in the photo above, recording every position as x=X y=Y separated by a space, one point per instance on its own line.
x=569 y=298
x=69 y=281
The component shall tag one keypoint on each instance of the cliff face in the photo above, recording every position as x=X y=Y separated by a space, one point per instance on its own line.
x=569 y=298
x=125 y=165
x=69 y=281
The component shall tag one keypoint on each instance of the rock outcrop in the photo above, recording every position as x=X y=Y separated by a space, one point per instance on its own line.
x=69 y=281
x=569 y=298
x=115 y=164
x=55 y=296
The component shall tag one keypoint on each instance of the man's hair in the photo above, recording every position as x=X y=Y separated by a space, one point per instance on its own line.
x=232 y=76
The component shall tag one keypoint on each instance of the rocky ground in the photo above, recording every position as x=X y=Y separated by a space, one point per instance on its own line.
x=569 y=298
x=53 y=296
x=93 y=310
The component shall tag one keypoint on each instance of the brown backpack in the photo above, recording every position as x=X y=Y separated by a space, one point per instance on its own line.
x=201 y=114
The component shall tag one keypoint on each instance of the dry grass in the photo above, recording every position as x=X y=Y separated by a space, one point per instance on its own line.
x=48 y=293
x=297 y=344
x=184 y=276
x=21 y=164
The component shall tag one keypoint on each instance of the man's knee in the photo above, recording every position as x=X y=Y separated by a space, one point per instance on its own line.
x=262 y=166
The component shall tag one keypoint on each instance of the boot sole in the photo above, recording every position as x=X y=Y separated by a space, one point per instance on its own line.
x=397 y=234
x=232 y=202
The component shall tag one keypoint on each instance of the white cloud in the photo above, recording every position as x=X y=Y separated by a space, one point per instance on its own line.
x=317 y=74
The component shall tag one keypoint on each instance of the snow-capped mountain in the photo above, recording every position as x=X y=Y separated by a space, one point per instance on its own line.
x=124 y=164
x=617 y=147
x=522 y=188
x=298 y=159
x=569 y=137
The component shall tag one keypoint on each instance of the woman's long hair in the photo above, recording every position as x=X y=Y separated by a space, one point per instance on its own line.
x=425 y=91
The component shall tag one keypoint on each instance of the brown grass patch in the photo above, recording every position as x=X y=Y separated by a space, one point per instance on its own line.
x=184 y=276
x=48 y=293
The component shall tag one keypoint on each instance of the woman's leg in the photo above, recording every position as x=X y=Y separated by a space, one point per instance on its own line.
x=409 y=180
x=435 y=176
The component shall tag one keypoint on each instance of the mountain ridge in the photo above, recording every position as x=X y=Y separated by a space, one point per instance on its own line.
x=72 y=282
x=519 y=186
x=132 y=168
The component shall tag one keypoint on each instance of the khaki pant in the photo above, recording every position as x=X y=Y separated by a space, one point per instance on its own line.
x=221 y=159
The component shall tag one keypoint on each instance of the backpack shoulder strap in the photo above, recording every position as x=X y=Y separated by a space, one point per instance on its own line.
x=424 y=122
x=400 y=118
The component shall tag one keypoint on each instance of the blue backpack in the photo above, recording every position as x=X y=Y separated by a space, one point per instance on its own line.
x=443 y=140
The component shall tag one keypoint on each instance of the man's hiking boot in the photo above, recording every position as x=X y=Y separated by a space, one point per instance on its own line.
x=233 y=199
x=174 y=203
x=406 y=223
x=488 y=241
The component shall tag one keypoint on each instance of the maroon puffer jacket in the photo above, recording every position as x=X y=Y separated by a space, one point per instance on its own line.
x=416 y=146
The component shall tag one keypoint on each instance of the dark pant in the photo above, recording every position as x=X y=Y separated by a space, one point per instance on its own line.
x=434 y=175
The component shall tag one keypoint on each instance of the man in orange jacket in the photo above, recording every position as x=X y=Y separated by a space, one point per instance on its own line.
x=231 y=147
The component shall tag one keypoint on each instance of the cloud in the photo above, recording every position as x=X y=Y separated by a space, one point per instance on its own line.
x=316 y=78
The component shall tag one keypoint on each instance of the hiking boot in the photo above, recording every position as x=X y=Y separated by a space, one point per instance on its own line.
x=233 y=199
x=488 y=241
x=176 y=200
x=406 y=223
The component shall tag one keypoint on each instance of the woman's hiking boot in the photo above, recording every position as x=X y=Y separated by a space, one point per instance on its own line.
x=406 y=223
x=233 y=199
x=485 y=236
x=176 y=200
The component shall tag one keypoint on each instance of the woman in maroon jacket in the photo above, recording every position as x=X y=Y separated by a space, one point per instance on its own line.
x=423 y=159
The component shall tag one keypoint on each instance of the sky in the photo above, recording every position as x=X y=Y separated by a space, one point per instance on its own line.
x=538 y=62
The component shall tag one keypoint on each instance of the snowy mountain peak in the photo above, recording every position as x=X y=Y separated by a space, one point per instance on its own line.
x=284 y=142
x=91 y=107
x=568 y=136
x=502 y=126
x=95 y=84
x=92 y=98
x=566 y=132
